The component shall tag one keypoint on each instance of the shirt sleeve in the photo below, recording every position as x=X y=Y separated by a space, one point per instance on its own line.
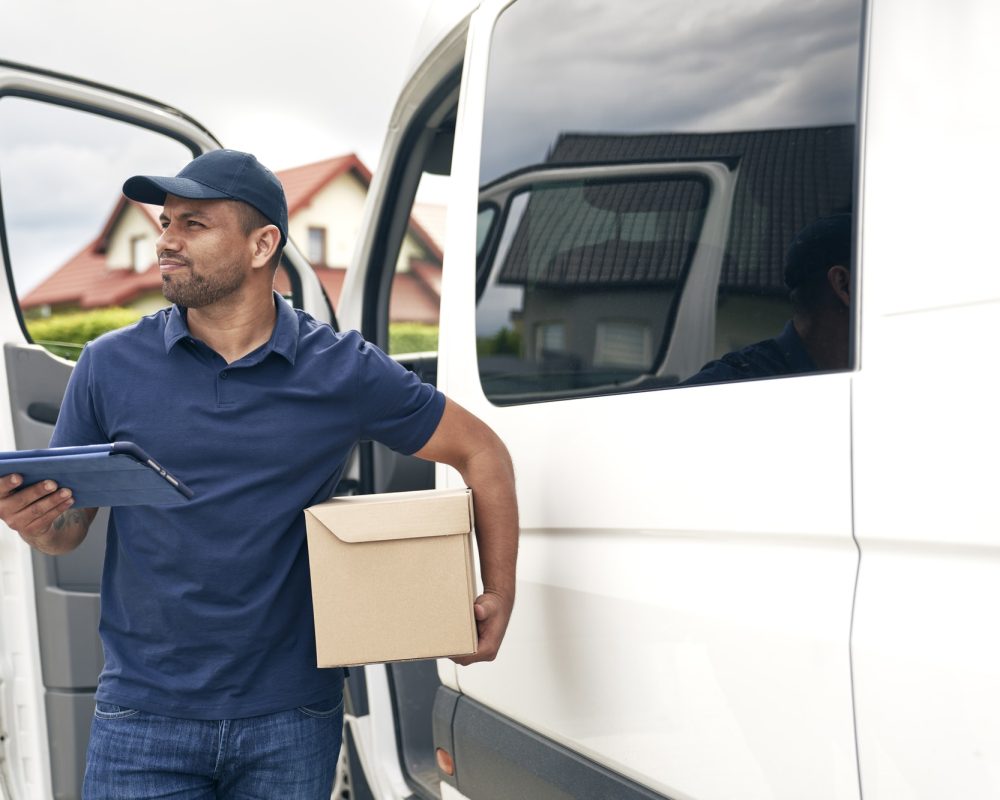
x=78 y=422
x=394 y=406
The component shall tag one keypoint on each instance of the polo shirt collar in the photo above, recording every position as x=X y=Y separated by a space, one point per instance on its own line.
x=284 y=338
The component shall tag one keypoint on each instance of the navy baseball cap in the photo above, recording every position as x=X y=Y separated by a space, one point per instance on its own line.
x=823 y=243
x=218 y=175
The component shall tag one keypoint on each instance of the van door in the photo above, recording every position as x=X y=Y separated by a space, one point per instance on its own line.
x=69 y=241
x=625 y=182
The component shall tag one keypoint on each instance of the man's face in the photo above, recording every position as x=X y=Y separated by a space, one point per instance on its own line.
x=203 y=252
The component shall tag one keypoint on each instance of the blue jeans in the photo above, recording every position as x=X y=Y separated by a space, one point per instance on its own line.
x=291 y=755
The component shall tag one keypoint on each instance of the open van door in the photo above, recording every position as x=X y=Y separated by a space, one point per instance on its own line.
x=66 y=146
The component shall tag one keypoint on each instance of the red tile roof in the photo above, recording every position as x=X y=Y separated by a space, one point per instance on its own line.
x=86 y=281
x=302 y=183
x=412 y=300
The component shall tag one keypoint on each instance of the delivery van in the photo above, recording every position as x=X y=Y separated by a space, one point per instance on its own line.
x=779 y=587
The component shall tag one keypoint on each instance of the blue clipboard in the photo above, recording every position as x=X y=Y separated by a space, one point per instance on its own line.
x=116 y=474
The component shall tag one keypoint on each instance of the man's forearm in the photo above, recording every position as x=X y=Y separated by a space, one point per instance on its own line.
x=65 y=533
x=490 y=475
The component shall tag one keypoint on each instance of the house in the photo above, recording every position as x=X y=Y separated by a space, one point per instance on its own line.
x=325 y=205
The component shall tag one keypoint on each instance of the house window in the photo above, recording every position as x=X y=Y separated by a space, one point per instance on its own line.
x=317 y=245
x=623 y=344
x=550 y=337
x=141 y=256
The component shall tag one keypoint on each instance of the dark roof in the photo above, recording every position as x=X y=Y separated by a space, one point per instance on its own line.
x=787 y=178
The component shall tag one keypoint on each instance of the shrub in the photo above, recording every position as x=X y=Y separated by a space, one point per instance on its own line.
x=412 y=337
x=503 y=342
x=65 y=334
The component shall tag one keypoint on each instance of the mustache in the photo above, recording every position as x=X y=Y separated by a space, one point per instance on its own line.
x=170 y=255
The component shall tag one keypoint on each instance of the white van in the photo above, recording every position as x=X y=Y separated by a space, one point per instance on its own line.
x=775 y=588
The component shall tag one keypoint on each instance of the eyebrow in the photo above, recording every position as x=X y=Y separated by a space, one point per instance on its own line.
x=184 y=215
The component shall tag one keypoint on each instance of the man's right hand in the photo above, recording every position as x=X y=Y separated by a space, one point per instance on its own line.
x=41 y=514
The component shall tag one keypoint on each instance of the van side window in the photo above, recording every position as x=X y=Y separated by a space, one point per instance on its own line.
x=80 y=258
x=648 y=195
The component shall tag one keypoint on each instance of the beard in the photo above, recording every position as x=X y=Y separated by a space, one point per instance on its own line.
x=196 y=290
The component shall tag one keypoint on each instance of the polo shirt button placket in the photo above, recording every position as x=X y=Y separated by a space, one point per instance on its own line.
x=222 y=394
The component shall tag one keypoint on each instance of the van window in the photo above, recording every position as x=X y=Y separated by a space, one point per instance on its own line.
x=651 y=166
x=80 y=258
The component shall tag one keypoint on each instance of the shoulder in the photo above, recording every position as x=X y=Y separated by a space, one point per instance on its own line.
x=759 y=360
x=147 y=330
x=319 y=339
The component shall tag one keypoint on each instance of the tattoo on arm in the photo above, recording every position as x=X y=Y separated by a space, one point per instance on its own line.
x=74 y=516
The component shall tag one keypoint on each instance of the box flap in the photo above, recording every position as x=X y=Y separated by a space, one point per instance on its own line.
x=396 y=515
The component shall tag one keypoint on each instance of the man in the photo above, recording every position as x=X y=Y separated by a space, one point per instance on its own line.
x=818 y=275
x=210 y=687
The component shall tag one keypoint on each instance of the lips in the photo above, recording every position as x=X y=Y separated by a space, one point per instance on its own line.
x=167 y=265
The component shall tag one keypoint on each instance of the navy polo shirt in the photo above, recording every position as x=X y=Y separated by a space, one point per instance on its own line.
x=206 y=609
x=783 y=355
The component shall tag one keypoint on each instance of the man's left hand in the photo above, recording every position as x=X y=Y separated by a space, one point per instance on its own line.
x=492 y=615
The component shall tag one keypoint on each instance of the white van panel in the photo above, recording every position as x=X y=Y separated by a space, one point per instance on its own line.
x=676 y=628
x=926 y=651
x=678 y=608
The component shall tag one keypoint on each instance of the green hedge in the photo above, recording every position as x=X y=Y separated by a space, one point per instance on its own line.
x=412 y=337
x=65 y=334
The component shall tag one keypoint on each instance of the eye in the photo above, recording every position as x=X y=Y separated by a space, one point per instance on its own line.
x=193 y=223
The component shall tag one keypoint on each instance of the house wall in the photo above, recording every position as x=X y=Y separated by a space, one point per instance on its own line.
x=410 y=249
x=742 y=319
x=337 y=207
x=132 y=222
x=149 y=303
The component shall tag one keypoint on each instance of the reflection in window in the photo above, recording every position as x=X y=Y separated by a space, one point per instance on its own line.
x=550 y=337
x=623 y=343
x=652 y=280
x=572 y=254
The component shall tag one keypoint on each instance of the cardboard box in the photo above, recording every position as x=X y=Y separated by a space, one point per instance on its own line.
x=392 y=576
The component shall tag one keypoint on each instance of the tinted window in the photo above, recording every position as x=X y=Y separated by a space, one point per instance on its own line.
x=652 y=161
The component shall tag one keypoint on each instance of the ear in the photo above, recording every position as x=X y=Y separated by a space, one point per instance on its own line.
x=265 y=242
x=839 y=279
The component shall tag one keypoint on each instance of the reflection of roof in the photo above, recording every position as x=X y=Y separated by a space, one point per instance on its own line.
x=786 y=179
x=86 y=281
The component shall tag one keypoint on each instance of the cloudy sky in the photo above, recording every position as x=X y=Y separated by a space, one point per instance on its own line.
x=293 y=82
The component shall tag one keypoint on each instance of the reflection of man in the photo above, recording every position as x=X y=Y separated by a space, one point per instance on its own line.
x=818 y=273
x=210 y=686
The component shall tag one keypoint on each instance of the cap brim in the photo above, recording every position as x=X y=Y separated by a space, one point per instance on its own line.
x=154 y=190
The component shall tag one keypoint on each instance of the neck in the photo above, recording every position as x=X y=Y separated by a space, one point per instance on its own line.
x=235 y=326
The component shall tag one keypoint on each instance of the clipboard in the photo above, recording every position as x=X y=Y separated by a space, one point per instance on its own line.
x=115 y=474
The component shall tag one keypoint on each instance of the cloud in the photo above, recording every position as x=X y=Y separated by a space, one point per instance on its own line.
x=296 y=83
x=61 y=172
x=650 y=66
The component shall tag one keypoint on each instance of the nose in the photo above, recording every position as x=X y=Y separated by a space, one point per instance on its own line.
x=166 y=241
